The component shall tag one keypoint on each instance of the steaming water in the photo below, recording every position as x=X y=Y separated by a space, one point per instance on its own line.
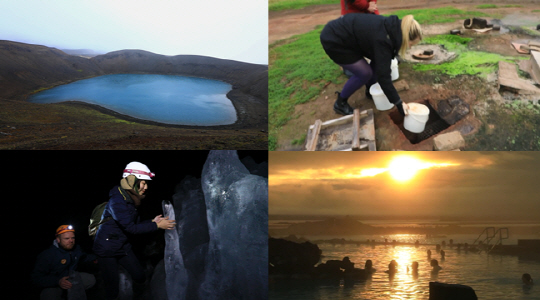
x=491 y=276
x=161 y=98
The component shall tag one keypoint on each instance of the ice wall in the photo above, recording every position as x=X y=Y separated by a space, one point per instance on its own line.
x=222 y=232
x=176 y=278
x=237 y=213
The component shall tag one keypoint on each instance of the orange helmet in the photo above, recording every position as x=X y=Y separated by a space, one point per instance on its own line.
x=64 y=229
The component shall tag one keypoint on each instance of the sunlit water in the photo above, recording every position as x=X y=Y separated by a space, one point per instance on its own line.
x=491 y=276
x=166 y=99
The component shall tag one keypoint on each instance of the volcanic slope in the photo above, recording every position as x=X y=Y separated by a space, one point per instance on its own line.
x=26 y=69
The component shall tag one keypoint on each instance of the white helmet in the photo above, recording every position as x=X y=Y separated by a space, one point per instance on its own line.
x=140 y=171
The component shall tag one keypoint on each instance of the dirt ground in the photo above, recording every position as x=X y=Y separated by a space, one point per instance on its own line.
x=423 y=85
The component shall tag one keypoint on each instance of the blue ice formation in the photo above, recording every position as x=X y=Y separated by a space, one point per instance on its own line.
x=237 y=213
x=176 y=278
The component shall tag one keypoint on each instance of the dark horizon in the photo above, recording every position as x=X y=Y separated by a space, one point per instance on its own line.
x=443 y=218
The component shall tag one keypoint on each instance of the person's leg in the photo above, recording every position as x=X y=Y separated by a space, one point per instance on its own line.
x=88 y=280
x=362 y=73
x=109 y=271
x=371 y=81
x=133 y=266
x=51 y=294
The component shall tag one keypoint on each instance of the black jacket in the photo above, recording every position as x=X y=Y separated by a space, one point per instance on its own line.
x=352 y=37
x=112 y=236
x=55 y=263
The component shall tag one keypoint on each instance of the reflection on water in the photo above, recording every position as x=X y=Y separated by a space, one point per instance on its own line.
x=491 y=276
x=161 y=98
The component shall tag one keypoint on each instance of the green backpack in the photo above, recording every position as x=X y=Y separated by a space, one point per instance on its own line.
x=95 y=219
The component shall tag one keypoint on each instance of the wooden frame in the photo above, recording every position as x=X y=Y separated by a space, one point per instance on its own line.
x=349 y=133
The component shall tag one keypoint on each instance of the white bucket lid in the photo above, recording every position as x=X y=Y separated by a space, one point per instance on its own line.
x=418 y=109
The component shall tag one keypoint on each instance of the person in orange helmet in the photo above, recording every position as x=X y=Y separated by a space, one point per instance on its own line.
x=57 y=265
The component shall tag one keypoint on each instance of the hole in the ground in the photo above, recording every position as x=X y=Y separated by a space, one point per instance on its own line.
x=434 y=124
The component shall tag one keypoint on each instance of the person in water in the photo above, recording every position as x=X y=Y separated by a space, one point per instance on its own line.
x=415 y=267
x=55 y=265
x=351 y=38
x=392 y=267
x=369 y=267
x=435 y=265
x=527 y=279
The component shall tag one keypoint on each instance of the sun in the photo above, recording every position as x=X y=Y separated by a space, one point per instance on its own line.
x=404 y=168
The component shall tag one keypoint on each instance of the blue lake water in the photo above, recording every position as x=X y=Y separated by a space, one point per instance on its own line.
x=166 y=99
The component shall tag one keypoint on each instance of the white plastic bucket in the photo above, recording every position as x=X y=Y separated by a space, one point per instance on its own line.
x=379 y=98
x=395 y=70
x=417 y=118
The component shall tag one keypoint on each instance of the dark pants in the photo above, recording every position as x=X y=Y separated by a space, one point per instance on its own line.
x=57 y=293
x=109 y=271
x=362 y=74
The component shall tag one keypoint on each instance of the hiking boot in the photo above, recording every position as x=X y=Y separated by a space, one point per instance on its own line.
x=341 y=106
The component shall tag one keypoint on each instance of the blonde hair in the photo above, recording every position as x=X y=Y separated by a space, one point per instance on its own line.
x=410 y=30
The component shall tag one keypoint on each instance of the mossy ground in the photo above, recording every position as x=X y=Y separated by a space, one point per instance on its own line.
x=468 y=62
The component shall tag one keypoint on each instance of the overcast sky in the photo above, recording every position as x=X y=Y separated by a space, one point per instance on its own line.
x=232 y=29
x=505 y=184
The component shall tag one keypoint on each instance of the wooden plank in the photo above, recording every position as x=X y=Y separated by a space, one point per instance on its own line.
x=356 y=130
x=335 y=122
x=367 y=131
x=518 y=48
x=508 y=77
x=535 y=66
x=348 y=133
x=312 y=143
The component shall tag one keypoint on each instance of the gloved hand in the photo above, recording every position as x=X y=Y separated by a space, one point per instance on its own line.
x=402 y=107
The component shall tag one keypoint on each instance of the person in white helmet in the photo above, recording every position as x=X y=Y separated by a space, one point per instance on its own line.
x=120 y=219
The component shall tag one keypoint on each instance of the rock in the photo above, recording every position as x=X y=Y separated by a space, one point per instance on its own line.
x=475 y=23
x=453 y=109
x=445 y=291
x=254 y=168
x=448 y=141
x=290 y=258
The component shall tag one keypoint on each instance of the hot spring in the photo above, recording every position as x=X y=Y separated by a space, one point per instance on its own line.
x=168 y=99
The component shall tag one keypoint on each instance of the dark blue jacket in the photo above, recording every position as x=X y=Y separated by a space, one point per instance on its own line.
x=55 y=263
x=111 y=237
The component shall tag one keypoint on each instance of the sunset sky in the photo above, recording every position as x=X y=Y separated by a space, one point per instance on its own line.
x=466 y=184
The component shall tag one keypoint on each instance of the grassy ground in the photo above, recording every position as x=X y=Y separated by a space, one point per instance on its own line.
x=294 y=79
x=276 y=5
x=299 y=69
x=468 y=62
